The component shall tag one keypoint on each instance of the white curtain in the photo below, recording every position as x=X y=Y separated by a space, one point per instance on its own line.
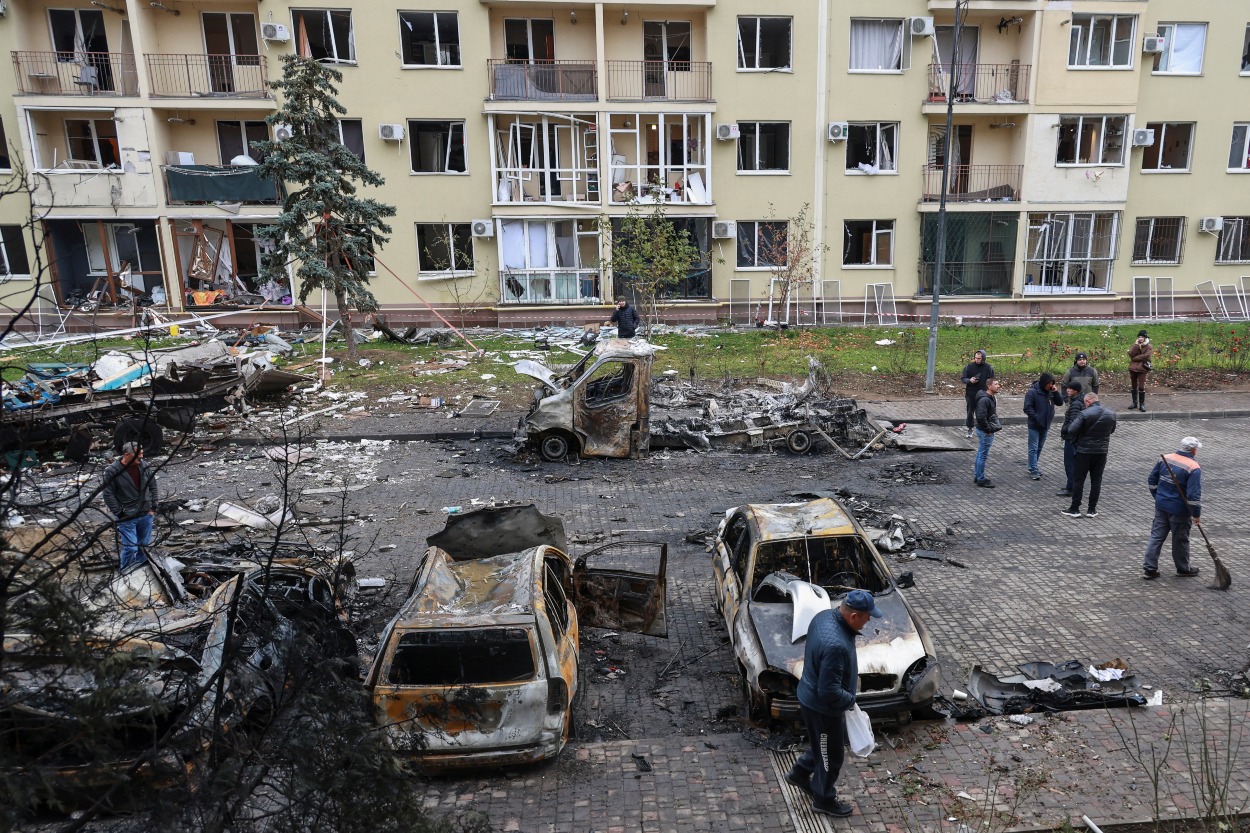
x=876 y=44
x=513 y=232
x=538 y=245
x=1186 y=48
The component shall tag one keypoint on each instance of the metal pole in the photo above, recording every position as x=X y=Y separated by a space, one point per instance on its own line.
x=939 y=261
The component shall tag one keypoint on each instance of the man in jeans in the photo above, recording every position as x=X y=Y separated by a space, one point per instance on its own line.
x=1172 y=514
x=1091 y=434
x=987 y=426
x=1076 y=404
x=1039 y=407
x=130 y=493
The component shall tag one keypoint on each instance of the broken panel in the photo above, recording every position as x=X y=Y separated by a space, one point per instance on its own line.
x=549 y=261
x=660 y=158
x=220 y=262
x=545 y=158
x=625 y=589
x=477 y=656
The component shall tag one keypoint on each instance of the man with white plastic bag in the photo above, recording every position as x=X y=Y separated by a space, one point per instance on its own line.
x=826 y=695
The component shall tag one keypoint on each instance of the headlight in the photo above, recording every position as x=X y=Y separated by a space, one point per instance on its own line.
x=924 y=678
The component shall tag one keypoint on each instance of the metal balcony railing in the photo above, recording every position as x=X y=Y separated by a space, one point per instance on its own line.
x=542 y=80
x=191 y=184
x=974 y=183
x=75 y=73
x=659 y=81
x=981 y=83
x=207 y=76
x=549 y=286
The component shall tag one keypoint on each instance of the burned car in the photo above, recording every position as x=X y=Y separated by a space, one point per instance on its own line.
x=775 y=566
x=480 y=666
x=599 y=407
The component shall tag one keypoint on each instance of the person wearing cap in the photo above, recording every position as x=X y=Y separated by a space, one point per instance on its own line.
x=1083 y=372
x=1091 y=437
x=826 y=691
x=130 y=493
x=1076 y=404
x=1171 y=513
x=988 y=425
x=1138 y=366
x=1039 y=406
x=977 y=373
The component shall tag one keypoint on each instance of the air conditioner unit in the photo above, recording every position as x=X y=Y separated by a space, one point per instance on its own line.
x=727 y=132
x=1143 y=137
x=282 y=132
x=838 y=131
x=275 y=32
x=391 y=132
x=483 y=228
x=1154 y=44
x=1211 y=225
x=724 y=230
x=920 y=27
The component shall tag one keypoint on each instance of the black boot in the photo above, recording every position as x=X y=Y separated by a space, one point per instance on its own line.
x=1133 y=407
x=1141 y=401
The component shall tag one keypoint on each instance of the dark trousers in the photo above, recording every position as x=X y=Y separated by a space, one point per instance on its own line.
x=1092 y=465
x=1137 y=380
x=970 y=399
x=1178 y=526
x=1069 y=463
x=823 y=761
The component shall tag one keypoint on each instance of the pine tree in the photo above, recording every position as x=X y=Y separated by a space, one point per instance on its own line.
x=325 y=229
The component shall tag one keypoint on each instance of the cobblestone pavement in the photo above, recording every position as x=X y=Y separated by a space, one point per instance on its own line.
x=1037 y=586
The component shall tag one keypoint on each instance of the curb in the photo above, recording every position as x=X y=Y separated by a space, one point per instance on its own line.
x=1131 y=416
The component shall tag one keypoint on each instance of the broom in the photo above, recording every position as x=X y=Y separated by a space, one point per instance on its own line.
x=1223 y=579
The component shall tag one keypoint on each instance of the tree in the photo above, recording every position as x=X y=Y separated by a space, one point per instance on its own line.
x=327 y=230
x=790 y=254
x=650 y=253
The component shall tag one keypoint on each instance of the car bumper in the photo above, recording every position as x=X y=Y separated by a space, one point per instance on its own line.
x=882 y=707
x=488 y=758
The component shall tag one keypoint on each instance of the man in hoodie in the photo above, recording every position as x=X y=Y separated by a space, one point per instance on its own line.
x=1082 y=372
x=976 y=374
x=130 y=493
x=1172 y=513
x=1076 y=404
x=1039 y=406
x=1091 y=434
x=987 y=426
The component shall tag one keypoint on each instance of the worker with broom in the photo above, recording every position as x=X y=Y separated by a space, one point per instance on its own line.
x=1176 y=483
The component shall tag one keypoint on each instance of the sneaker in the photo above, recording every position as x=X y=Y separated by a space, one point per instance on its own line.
x=1064 y=493
x=799 y=782
x=985 y=484
x=1192 y=571
x=970 y=433
x=1070 y=514
x=1036 y=475
x=836 y=808
x=1091 y=514
x=1148 y=573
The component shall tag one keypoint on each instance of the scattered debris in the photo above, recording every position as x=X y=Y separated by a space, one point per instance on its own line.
x=1043 y=686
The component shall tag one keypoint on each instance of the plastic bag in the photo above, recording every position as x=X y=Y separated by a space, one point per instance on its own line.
x=859 y=733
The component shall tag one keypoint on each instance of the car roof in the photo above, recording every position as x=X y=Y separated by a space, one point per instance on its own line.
x=622 y=347
x=776 y=521
x=474 y=592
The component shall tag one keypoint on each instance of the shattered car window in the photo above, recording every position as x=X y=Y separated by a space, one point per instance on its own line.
x=836 y=564
x=484 y=656
x=609 y=381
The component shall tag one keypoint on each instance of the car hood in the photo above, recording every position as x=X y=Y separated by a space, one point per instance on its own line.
x=538 y=371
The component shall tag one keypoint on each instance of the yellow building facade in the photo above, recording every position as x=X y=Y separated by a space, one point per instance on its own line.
x=1098 y=165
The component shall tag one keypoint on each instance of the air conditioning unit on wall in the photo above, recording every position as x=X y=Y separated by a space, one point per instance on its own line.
x=483 y=228
x=391 y=132
x=727 y=132
x=1154 y=44
x=282 y=132
x=838 y=131
x=275 y=32
x=724 y=230
x=920 y=27
x=1211 y=225
x=1143 y=137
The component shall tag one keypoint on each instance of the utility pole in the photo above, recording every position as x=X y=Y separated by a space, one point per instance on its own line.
x=939 y=261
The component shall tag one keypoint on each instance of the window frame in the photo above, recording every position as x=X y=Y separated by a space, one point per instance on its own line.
x=351 y=60
x=343 y=139
x=874 y=231
x=904 y=59
x=438 y=46
x=1180 y=223
x=411 y=139
x=742 y=55
x=1169 y=41
x=1079 y=25
x=756 y=245
x=1102 y=144
x=13 y=232
x=445 y=274
x=1245 y=53
x=1161 y=129
x=1244 y=126
x=1242 y=222
x=757 y=170
x=1069 y=239
x=95 y=140
x=7 y=166
x=879 y=126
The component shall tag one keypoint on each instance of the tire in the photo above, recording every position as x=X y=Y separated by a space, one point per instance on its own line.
x=140 y=429
x=799 y=442
x=554 y=447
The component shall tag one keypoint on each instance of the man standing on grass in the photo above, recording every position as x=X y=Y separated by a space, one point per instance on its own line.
x=987 y=426
x=976 y=374
x=1171 y=512
x=1091 y=434
x=626 y=318
x=1039 y=407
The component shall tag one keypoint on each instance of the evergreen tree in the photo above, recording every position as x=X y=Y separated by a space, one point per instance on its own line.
x=327 y=230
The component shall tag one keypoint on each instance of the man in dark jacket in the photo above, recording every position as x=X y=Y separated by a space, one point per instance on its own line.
x=1039 y=407
x=626 y=318
x=1083 y=372
x=1076 y=404
x=975 y=376
x=1172 y=514
x=1091 y=434
x=987 y=426
x=130 y=493
x=826 y=691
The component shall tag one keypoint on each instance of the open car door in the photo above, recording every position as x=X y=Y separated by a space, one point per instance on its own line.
x=621 y=586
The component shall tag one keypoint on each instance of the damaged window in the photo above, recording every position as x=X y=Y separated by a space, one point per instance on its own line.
x=325 y=35
x=836 y=564
x=437 y=147
x=93 y=140
x=556 y=602
x=608 y=382
x=739 y=539
x=872 y=147
x=482 y=656
x=12 y=252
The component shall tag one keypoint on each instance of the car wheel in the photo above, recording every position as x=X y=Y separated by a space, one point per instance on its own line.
x=753 y=703
x=554 y=447
x=799 y=442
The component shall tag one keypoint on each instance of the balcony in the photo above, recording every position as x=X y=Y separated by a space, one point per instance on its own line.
x=75 y=73
x=974 y=183
x=208 y=76
x=549 y=286
x=542 y=81
x=659 y=81
x=190 y=184
x=981 y=83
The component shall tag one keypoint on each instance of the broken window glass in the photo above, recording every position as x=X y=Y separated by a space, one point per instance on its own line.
x=1158 y=239
x=868 y=243
x=325 y=35
x=93 y=140
x=437 y=147
x=764 y=42
x=430 y=38
x=872 y=147
x=1234 y=243
x=477 y=656
x=352 y=136
x=444 y=248
x=13 y=252
x=1171 y=149
x=555 y=601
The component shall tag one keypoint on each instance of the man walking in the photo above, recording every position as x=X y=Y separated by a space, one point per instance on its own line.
x=1039 y=407
x=976 y=374
x=1084 y=373
x=826 y=691
x=626 y=318
x=1076 y=404
x=987 y=426
x=1091 y=435
x=1171 y=513
x=130 y=493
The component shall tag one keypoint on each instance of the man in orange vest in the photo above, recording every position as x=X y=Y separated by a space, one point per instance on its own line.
x=1175 y=511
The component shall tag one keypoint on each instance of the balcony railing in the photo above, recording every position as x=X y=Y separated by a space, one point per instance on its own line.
x=187 y=184
x=542 y=81
x=208 y=76
x=75 y=73
x=659 y=81
x=549 y=286
x=974 y=183
x=981 y=83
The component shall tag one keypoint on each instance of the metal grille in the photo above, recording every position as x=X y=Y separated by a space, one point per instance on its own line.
x=1158 y=239
x=980 y=253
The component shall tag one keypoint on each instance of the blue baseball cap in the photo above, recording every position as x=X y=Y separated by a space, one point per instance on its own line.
x=863 y=601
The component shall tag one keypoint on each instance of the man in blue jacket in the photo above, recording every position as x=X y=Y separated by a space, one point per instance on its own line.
x=1039 y=407
x=1171 y=514
x=826 y=691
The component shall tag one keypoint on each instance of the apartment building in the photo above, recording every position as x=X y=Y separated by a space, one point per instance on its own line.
x=1099 y=158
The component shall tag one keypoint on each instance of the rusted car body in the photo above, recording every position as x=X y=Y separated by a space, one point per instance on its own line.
x=770 y=558
x=479 y=667
x=600 y=407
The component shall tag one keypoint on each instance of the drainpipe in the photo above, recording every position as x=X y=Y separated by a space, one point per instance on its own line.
x=822 y=116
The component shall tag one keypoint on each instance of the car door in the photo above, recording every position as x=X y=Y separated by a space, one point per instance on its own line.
x=621 y=586
x=605 y=407
x=730 y=562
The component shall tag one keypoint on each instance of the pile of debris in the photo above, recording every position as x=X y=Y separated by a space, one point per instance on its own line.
x=1065 y=686
x=890 y=532
x=908 y=473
